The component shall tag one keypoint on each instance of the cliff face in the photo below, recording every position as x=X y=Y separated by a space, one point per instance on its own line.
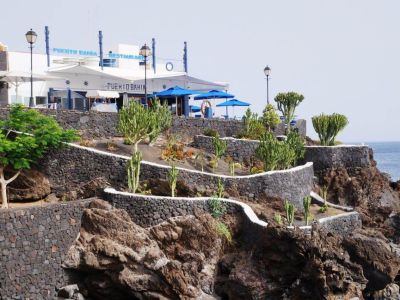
x=185 y=258
x=369 y=191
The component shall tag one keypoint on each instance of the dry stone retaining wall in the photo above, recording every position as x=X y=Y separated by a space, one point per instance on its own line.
x=33 y=242
x=95 y=124
x=322 y=157
x=72 y=165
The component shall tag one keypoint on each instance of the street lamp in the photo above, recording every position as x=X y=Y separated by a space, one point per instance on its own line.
x=267 y=72
x=31 y=39
x=145 y=52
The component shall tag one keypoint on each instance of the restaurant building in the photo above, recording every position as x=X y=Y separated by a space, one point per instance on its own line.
x=76 y=79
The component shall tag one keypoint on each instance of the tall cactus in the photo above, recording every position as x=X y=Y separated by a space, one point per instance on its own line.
x=287 y=103
x=306 y=205
x=133 y=170
x=290 y=210
x=172 y=178
x=219 y=148
x=328 y=127
x=220 y=188
x=268 y=151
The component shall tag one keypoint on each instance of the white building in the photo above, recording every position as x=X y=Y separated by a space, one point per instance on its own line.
x=75 y=78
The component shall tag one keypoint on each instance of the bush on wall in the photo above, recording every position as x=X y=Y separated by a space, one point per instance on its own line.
x=328 y=127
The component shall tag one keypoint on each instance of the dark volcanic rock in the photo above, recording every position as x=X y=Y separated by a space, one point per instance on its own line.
x=30 y=185
x=174 y=260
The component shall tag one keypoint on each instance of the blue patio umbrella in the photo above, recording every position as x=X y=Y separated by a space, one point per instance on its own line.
x=233 y=103
x=176 y=91
x=215 y=94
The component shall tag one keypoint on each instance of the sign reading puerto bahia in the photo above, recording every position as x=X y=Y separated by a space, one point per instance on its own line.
x=124 y=87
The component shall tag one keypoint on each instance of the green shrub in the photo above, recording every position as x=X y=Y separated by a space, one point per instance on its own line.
x=219 y=148
x=278 y=218
x=133 y=170
x=270 y=118
x=296 y=142
x=253 y=127
x=306 y=206
x=328 y=127
x=217 y=207
x=211 y=132
x=287 y=103
x=223 y=230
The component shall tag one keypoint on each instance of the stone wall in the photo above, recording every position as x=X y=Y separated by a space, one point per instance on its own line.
x=33 y=242
x=321 y=156
x=94 y=124
x=151 y=210
x=325 y=157
x=67 y=168
x=342 y=224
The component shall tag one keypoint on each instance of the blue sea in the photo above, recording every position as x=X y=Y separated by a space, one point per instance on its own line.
x=387 y=155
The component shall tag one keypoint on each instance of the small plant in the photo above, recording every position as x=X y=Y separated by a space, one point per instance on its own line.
x=211 y=132
x=287 y=103
x=220 y=189
x=232 y=166
x=306 y=205
x=133 y=170
x=172 y=177
x=86 y=143
x=290 y=210
x=175 y=149
x=223 y=230
x=253 y=126
x=278 y=218
x=111 y=147
x=217 y=207
x=323 y=208
x=328 y=127
x=219 y=148
x=200 y=157
x=270 y=118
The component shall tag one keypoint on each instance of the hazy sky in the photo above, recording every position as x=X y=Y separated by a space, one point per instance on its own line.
x=343 y=55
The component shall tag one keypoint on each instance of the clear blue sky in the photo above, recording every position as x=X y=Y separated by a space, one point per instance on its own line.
x=342 y=55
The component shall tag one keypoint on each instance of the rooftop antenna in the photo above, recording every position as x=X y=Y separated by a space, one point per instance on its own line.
x=185 y=58
x=47 y=34
x=153 y=46
x=101 y=48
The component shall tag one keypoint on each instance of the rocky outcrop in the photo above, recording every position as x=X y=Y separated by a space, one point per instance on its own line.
x=287 y=264
x=30 y=185
x=174 y=260
x=368 y=190
x=185 y=258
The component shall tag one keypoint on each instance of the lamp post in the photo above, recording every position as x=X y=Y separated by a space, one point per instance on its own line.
x=145 y=52
x=267 y=72
x=31 y=39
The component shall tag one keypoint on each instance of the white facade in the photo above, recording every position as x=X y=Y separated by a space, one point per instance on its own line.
x=80 y=72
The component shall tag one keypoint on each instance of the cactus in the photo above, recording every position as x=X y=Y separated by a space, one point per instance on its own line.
x=137 y=123
x=268 y=151
x=290 y=210
x=172 y=177
x=328 y=127
x=219 y=147
x=287 y=103
x=270 y=118
x=232 y=168
x=278 y=218
x=133 y=170
x=200 y=157
x=306 y=205
x=220 y=188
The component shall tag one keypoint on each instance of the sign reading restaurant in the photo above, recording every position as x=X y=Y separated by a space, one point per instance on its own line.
x=124 y=87
x=65 y=51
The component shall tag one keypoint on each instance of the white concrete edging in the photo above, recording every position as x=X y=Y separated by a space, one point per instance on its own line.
x=320 y=200
x=307 y=165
